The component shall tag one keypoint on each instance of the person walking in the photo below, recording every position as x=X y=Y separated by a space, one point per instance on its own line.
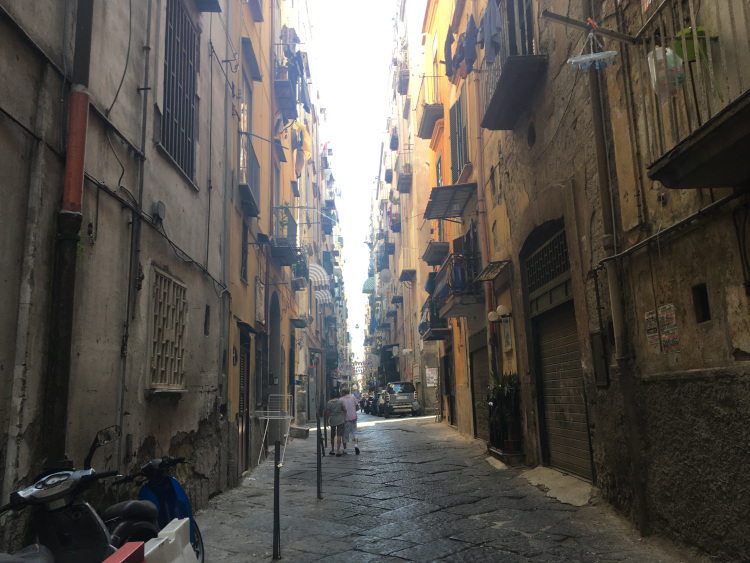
x=336 y=411
x=350 y=420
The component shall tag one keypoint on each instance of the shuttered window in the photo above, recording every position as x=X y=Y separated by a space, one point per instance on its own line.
x=180 y=70
x=459 y=134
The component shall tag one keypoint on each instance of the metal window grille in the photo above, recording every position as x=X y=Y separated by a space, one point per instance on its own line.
x=459 y=136
x=548 y=263
x=180 y=67
x=170 y=328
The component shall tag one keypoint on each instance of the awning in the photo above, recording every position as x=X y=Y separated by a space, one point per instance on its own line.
x=369 y=286
x=318 y=275
x=492 y=270
x=323 y=295
x=449 y=201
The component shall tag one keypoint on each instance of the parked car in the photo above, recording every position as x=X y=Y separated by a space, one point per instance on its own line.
x=400 y=397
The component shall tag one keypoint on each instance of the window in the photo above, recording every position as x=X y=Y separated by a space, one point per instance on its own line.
x=180 y=75
x=169 y=306
x=246 y=127
x=459 y=136
x=243 y=255
x=439 y=170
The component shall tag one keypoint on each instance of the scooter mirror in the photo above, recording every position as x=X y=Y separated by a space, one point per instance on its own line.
x=107 y=435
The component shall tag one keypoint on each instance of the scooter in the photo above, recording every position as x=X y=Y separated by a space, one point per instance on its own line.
x=168 y=498
x=67 y=527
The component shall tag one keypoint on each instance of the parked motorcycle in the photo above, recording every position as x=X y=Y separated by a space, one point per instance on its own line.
x=67 y=527
x=169 y=501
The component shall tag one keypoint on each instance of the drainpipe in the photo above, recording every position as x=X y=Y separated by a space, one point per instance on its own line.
x=622 y=353
x=69 y=219
x=482 y=208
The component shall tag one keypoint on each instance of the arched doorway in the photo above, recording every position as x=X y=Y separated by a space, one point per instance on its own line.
x=556 y=351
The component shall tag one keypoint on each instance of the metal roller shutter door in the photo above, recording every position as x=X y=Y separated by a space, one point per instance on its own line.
x=565 y=417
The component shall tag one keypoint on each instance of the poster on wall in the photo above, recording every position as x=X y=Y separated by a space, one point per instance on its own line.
x=670 y=341
x=431 y=377
x=652 y=328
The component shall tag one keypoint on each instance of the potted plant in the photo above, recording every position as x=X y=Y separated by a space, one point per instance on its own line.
x=504 y=411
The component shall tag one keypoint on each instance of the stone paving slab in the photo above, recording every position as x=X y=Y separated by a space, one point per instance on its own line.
x=418 y=492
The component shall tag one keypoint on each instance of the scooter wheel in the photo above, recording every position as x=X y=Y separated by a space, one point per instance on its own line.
x=198 y=543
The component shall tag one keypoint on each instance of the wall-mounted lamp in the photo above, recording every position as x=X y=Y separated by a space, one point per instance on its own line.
x=499 y=315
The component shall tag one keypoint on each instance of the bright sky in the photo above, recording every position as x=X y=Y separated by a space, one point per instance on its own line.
x=353 y=46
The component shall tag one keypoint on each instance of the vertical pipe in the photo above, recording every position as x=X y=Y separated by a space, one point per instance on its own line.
x=482 y=209
x=276 y=506
x=622 y=354
x=69 y=218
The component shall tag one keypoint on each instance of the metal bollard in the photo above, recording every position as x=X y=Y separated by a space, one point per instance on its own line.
x=321 y=451
x=276 y=508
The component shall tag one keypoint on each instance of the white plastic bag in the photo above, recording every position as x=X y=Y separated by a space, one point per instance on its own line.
x=667 y=72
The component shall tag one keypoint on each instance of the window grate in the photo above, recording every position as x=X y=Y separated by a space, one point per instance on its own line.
x=180 y=67
x=548 y=263
x=169 y=324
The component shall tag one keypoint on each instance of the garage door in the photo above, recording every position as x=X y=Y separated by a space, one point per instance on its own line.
x=480 y=381
x=559 y=358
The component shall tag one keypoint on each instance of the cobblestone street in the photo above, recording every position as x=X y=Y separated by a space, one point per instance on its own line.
x=417 y=492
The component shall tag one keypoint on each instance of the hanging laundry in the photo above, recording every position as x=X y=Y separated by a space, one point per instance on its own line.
x=489 y=32
x=470 y=44
x=289 y=40
x=458 y=56
x=448 y=54
x=306 y=140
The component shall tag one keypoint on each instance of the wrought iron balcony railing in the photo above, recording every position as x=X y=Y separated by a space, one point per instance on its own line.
x=691 y=75
x=404 y=172
x=284 y=240
x=429 y=106
x=456 y=289
x=431 y=325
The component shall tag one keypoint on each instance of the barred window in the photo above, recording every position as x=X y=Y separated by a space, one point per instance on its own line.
x=170 y=328
x=180 y=68
x=548 y=263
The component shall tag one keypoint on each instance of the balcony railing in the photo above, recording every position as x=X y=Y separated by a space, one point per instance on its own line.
x=396 y=219
x=429 y=106
x=431 y=325
x=508 y=84
x=691 y=76
x=403 y=75
x=284 y=240
x=249 y=180
x=284 y=89
x=300 y=271
x=456 y=292
x=404 y=170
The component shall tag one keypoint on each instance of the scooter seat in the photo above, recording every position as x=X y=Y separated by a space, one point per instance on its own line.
x=132 y=509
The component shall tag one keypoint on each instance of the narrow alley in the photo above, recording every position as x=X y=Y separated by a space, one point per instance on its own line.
x=418 y=492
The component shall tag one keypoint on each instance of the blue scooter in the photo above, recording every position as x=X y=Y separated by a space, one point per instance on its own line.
x=167 y=495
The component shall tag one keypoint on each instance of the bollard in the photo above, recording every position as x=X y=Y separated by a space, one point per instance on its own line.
x=276 y=509
x=320 y=447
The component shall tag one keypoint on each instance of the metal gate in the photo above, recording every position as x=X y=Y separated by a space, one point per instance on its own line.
x=480 y=382
x=559 y=363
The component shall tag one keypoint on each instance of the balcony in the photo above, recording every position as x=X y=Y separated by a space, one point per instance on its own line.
x=457 y=293
x=283 y=243
x=403 y=78
x=249 y=180
x=394 y=138
x=284 y=90
x=404 y=171
x=396 y=220
x=436 y=252
x=388 y=175
x=694 y=123
x=431 y=325
x=429 y=106
x=509 y=84
x=300 y=271
x=326 y=221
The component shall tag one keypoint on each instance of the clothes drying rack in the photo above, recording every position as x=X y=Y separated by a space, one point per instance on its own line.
x=279 y=408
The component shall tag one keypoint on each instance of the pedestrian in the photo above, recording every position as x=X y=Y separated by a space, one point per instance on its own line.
x=350 y=420
x=336 y=410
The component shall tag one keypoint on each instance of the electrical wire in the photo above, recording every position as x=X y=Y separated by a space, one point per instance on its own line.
x=127 y=56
